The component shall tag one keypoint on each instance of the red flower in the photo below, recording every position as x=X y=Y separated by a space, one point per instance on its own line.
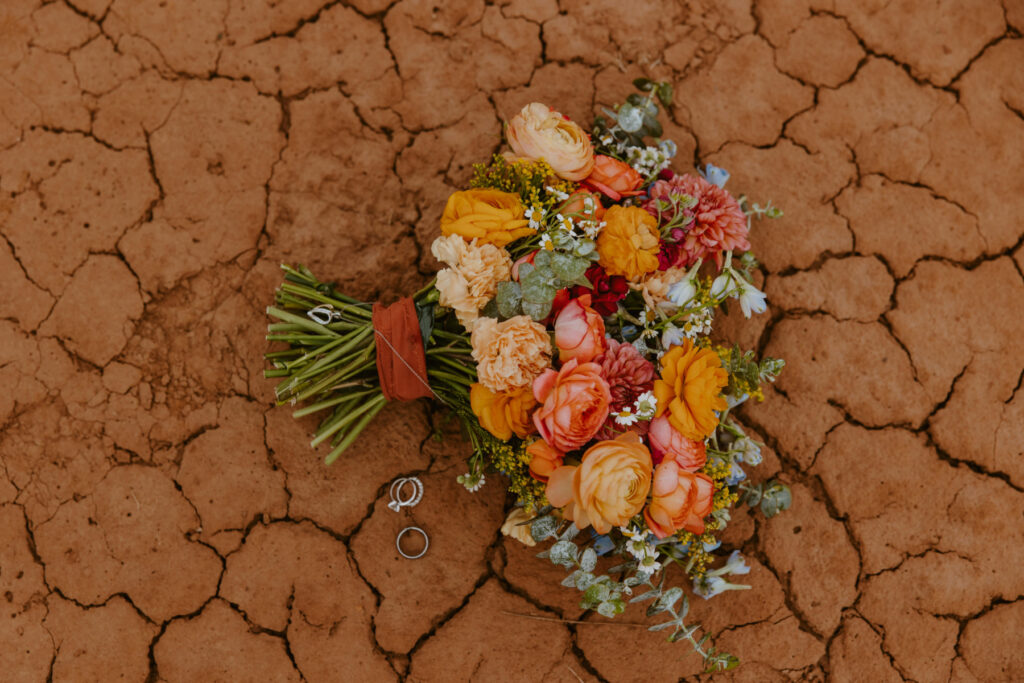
x=607 y=290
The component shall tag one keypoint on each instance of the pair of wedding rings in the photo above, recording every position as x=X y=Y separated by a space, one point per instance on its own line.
x=401 y=498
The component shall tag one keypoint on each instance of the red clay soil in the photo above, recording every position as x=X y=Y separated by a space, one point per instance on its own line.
x=160 y=521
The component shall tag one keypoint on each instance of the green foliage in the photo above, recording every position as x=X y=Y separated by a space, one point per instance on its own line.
x=771 y=496
x=540 y=281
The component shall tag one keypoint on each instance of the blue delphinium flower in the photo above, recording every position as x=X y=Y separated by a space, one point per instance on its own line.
x=715 y=175
x=736 y=474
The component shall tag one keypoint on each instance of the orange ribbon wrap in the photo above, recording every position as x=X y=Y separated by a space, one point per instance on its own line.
x=401 y=360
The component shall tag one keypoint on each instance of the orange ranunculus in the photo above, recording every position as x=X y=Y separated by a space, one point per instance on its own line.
x=667 y=443
x=629 y=242
x=537 y=132
x=574 y=404
x=504 y=413
x=690 y=389
x=608 y=488
x=615 y=179
x=679 y=500
x=490 y=216
x=579 y=331
x=545 y=459
x=585 y=205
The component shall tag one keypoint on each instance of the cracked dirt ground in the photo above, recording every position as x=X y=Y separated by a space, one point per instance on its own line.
x=159 y=521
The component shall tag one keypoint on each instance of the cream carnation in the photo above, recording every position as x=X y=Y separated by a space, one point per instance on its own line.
x=538 y=132
x=510 y=354
x=472 y=276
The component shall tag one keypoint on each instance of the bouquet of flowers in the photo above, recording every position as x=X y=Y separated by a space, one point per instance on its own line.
x=568 y=330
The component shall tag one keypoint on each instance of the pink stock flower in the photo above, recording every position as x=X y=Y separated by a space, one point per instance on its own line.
x=718 y=221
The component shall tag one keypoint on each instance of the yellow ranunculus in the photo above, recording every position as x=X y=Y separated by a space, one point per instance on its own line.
x=490 y=216
x=690 y=389
x=504 y=413
x=629 y=242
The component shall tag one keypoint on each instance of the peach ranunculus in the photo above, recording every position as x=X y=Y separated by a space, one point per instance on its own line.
x=544 y=459
x=491 y=216
x=510 y=354
x=579 y=331
x=472 y=276
x=613 y=178
x=668 y=444
x=608 y=488
x=537 y=132
x=583 y=204
x=574 y=404
x=504 y=413
x=679 y=500
x=690 y=389
x=629 y=242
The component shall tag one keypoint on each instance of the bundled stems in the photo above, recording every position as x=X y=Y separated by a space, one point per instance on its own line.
x=333 y=365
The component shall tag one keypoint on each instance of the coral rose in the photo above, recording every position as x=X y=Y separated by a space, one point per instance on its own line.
x=613 y=178
x=574 y=404
x=510 y=354
x=690 y=389
x=629 y=242
x=544 y=459
x=491 y=216
x=579 y=331
x=472 y=277
x=679 y=500
x=504 y=413
x=668 y=444
x=537 y=132
x=718 y=221
x=585 y=205
x=608 y=488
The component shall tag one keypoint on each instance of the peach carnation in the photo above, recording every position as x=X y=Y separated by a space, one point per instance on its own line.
x=690 y=389
x=472 y=276
x=718 y=221
x=510 y=354
x=538 y=132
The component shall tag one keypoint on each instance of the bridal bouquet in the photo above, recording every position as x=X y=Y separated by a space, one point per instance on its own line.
x=568 y=329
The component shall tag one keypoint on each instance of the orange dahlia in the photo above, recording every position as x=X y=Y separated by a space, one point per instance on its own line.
x=690 y=389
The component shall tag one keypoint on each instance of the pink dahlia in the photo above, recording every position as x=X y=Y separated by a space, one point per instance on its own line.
x=718 y=221
x=628 y=375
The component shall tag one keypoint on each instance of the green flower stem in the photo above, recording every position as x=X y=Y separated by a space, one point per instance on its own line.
x=375 y=406
x=301 y=321
x=467 y=370
x=351 y=342
x=458 y=379
x=356 y=366
x=316 y=407
x=344 y=418
x=345 y=308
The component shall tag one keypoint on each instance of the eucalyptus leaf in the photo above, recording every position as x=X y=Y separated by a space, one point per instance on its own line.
x=537 y=312
x=543 y=528
x=630 y=118
x=664 y=92
x=669 y=598
x=524 y=270
x=651 y=127
x=589 y=560
x=564 y=553
x=597 y=593
x=644 y=84
x=509 y=299
x=610 y=608
x=541 y=260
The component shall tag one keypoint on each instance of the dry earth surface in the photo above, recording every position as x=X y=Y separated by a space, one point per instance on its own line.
x=160 y=521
